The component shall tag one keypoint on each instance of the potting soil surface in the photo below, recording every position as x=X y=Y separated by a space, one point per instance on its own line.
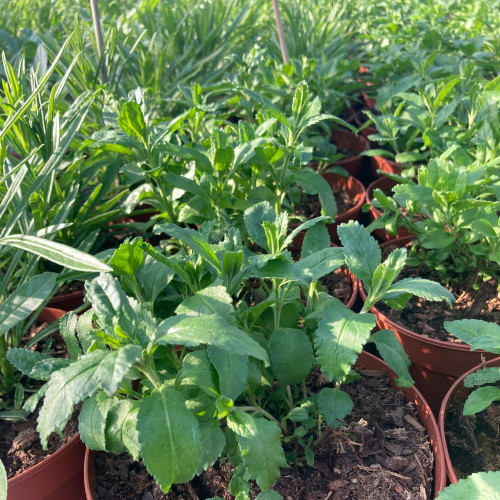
x=310 y=206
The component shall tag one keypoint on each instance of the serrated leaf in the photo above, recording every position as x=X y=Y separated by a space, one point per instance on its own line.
x=27 y=361
x=121 y=427
x=63 y=255
x=169 y=437
x=477 y=333
x=340 y=337
x=197 y=369
x=321 y=263
x=362 y=254
x=254 y=217
x=427 y=289
x=32 y=402
x=317 y=238
x=153 y=277
x=477 y=486
x=480 y=399
x=302 y=227
x=211 y=330
x=334 y=405
x=394 y=355
x=92 y=420
x=487 y=375
x=232 y=370
x=212 y=441
x=213 y=299
x=67 y=329
x=291 y=355
x=131 y=119
x=386 y=272
x=259 y=441
x=24 y=300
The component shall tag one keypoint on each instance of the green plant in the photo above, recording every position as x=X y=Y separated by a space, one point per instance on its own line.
x=481 y=485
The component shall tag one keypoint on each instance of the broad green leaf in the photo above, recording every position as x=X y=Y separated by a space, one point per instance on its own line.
x=254 y=218
x=232 y=369
x=314 y=183
x=334 y=405
x=211 y=330
x=362 y=254
x=169 y=437
x=477 y=486
x=317 y=238
x=92 y=421
x=427 y=289
x=67 y=329
x=477 y=333
x=35 y=364
x=259 y=441
x=298 y=414
x=131 y=120
x=480 y=399
x=213 y=299
x=32 y=402
x=212 y=441
x=121 y=432
x=291 y=355
x=485 y=228
x=302 y=227
x=3 y=482
x=393 y=354
x=63 y=255
x=321 y=263
x=24 y=300
x=197 y=370
x=66 y=388
x=386 y=272
x=487 y=375
x=153 y=277
x=340 y=337
x=127 y=258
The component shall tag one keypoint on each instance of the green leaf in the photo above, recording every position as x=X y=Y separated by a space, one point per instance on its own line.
x=169 y=437
x=269 y=495
x=321 y=263
x=302 y=227
x=394 y=355
x=484 y=228
x=210 y=330
x=131 y=119
x=232 y=369
x=210 y=300
x=362 y=254
x=314 y=183
x=3 y=482
x=121 y=432
x=92 y=421
x=197 y=369
x=334 y=405
x=212 y=443
x=259 y=441
x=478 y=486
x=153 y=277
x=254 y=218
x=127 y=258
x=67 y=329
x=427 y=289
x=317 y=238
x=35 y=364
x=386 y=272
x=480 y=399
x=477 y=333
x=63 y=255
x=486 y=375
x=291 y=355
x=340 y=337
x=24 y=300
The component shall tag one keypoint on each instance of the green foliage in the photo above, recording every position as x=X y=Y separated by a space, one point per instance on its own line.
x=481 y=486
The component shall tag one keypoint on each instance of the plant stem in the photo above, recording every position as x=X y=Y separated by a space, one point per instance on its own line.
x=261 y=411
x=290 y=397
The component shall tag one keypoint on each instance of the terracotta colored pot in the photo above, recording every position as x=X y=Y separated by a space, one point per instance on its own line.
x=351 y=142
x=457 y=389
x=389 y=166
x=58 y=477
x=369 y=362
x=367 y=131
x=50 y=314
x=355 y=290
x=385 y=184
x=68 y=302
x=435 y=364
x=424 y=413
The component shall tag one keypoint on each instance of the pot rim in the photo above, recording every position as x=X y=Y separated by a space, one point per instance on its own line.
x=442 y=415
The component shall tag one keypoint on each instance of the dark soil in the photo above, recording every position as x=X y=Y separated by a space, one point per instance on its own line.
x=473 y=441
x=427 y=317
x=310 y=206
x=338 y=284
x=20 y=446
x=381 y=453
x=67 y=288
